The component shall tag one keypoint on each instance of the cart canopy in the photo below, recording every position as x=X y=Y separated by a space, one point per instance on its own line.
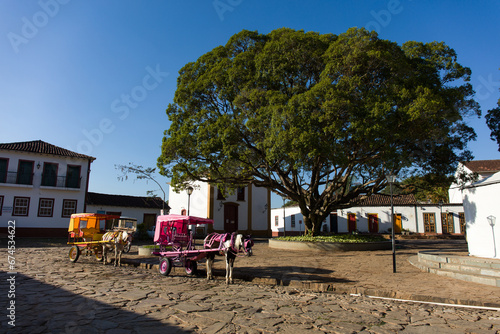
x=168 y=224
x=90 y=221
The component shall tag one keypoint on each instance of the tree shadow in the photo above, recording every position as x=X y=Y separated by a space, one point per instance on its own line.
x=41 y=307
x=281 y=274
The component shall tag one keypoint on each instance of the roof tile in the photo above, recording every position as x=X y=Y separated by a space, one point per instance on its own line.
x=125 y=201
x=483 y=165
x=41 y=147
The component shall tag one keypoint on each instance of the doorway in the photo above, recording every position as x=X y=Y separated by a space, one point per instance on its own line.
x=351 y=222
x=230 y=217
x=373 y=223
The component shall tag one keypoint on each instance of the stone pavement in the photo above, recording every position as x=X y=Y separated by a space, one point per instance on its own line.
x=53 y=295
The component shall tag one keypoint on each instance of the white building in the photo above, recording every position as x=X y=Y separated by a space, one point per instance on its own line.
x=246 y=211
x=41 y=185
x=481 y=202
x=144 y=209
x=482 y=168
x=373 y=215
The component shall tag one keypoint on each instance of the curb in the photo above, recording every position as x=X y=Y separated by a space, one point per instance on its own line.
x=330 y=246
x=332 y=288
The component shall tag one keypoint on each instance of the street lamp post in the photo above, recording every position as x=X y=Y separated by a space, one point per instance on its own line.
x=492 y=220
x=189 y=192
x=284 y=221
x=390 y=179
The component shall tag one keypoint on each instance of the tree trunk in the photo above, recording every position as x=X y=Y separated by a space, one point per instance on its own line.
x=313 y=224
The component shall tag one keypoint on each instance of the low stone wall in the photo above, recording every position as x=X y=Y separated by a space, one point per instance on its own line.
x=330 y=246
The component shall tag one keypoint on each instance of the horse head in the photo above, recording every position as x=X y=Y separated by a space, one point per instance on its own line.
x=124 y=237
x=245 y=244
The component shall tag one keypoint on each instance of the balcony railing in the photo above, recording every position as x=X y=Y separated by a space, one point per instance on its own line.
x=62 y=182
x=27 y=179
x=17 y=178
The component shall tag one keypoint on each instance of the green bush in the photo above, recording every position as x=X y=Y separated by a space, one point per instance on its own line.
x=357 y=238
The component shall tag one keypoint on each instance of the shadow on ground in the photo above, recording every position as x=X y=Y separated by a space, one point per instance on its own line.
x=41 y=307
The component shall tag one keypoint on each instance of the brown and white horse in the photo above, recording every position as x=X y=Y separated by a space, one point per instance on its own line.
x=116 y=240
x=229 y=245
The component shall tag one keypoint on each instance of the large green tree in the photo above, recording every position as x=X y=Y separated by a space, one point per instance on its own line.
x=319 y=119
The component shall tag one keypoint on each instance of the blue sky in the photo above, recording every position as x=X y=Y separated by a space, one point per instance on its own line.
x=96 y=76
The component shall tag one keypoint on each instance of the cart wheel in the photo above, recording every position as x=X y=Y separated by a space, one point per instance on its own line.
x=74 y=253
x=98 y=254
x=126 y=248
x=165 y=266
x=191 y=267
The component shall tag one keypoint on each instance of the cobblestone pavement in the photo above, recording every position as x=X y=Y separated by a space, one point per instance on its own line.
x=53 y=295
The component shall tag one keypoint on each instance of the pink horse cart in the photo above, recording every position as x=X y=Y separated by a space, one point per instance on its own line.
x=176 y=240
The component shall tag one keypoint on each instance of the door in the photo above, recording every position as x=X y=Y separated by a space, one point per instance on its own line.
x=230 y=217
x=351 y=222
x=149 y=219
x=397 y=223
x=447 y=223
x=429 y=222
x=334 y=225
x=373 y=223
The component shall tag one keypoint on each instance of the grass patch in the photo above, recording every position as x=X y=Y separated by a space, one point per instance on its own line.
x=345 y=238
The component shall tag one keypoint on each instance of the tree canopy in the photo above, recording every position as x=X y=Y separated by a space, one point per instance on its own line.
x=320 y=119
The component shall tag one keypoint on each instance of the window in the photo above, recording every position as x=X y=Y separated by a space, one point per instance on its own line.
x=241 y=194
x=73 y=177
x=220 y=195
x=69 y=207
x=4 y=163
x=461 y=218
x=49 y=175
x=293 y=220
x=21 y=206
x=276 y=220
x=429 y=222
x=1 y=204
x=46 y=207
x=25 y=172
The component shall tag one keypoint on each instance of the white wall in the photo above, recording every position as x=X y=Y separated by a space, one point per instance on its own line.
x=37 y=191
x=284 y=227
x=198 y=201
x=481 y=200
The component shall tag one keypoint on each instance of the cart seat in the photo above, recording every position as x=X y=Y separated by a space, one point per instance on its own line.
x=180 y=238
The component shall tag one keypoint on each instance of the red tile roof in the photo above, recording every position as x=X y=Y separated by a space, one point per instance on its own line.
x=125 y=201
x=483 y=165
x=385 y=200
x=41 y=147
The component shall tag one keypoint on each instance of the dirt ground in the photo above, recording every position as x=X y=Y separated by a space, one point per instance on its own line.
x=366 y=272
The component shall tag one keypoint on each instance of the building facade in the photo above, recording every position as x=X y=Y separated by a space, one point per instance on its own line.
x=373 y=215
x=246 y=210
x=481 y=206
x=41 y=185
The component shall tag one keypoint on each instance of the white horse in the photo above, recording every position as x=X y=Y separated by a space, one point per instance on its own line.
x=229 y=245
x=117 y=240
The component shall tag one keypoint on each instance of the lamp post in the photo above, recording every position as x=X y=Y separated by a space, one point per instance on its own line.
x=284 y=221
x=189 y=192
x=492 y=220
x=390 y=179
